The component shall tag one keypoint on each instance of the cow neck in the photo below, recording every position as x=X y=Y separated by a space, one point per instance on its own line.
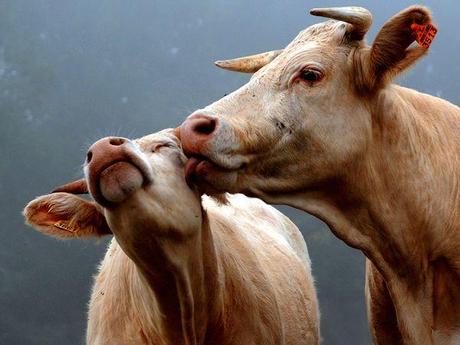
x=399 y=203
x=403 y=192
x=408 y=185
x=406 y=197
x=183 y=274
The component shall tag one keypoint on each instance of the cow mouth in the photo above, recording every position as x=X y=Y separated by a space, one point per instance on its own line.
x=116 y=181
x=198 y=167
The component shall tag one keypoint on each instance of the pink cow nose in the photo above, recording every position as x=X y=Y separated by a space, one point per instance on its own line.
x=105 y=149
x=196 y=131
x=114 y=170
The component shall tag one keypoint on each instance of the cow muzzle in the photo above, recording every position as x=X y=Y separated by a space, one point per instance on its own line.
x=196 y=132
x=213 y=149
x=115 y=169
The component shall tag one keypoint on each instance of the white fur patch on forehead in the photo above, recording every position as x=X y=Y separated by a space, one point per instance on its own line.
x=329 y=32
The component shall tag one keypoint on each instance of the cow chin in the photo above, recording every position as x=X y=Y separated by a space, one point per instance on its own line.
x=115 y=182
x=119 y=181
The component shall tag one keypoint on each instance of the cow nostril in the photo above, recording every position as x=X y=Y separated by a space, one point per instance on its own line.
x=205 y=126
x=116 y=141
x=89 y=156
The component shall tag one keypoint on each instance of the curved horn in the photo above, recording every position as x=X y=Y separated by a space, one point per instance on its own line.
x=249 y=64
x=358 y=17
x=75 y=187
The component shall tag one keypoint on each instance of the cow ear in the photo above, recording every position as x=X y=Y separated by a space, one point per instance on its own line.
x=65 y=215
x=393 y=50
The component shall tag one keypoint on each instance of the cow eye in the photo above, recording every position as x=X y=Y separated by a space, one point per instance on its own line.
x=156 y=148
x=310 y=75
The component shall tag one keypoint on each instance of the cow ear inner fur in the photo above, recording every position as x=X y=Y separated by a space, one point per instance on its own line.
x=65 y=215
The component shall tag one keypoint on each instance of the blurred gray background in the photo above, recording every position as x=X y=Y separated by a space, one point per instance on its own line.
x=72 y=71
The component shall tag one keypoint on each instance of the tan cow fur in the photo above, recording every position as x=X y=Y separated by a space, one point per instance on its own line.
x=181 y=271
x=377 y=162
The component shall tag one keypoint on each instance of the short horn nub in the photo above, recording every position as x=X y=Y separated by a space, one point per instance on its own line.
x=358 y=17
x=249 y=64
x=75 y=187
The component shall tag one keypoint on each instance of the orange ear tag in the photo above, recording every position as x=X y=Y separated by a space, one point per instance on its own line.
x=425 y=34
x=64 y=226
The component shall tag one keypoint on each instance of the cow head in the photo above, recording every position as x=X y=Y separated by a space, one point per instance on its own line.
x=135 y=184
x=306 y=115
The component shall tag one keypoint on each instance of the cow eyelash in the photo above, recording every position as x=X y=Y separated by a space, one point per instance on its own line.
x=159 y=146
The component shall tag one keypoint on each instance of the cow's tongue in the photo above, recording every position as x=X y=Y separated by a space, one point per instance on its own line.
x=119 y=181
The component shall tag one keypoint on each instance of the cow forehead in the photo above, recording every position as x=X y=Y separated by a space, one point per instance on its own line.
x=164 y=136
x=317 y=42
x=325 y=33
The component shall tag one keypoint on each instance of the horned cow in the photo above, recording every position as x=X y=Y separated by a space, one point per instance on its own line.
x=321 y=127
